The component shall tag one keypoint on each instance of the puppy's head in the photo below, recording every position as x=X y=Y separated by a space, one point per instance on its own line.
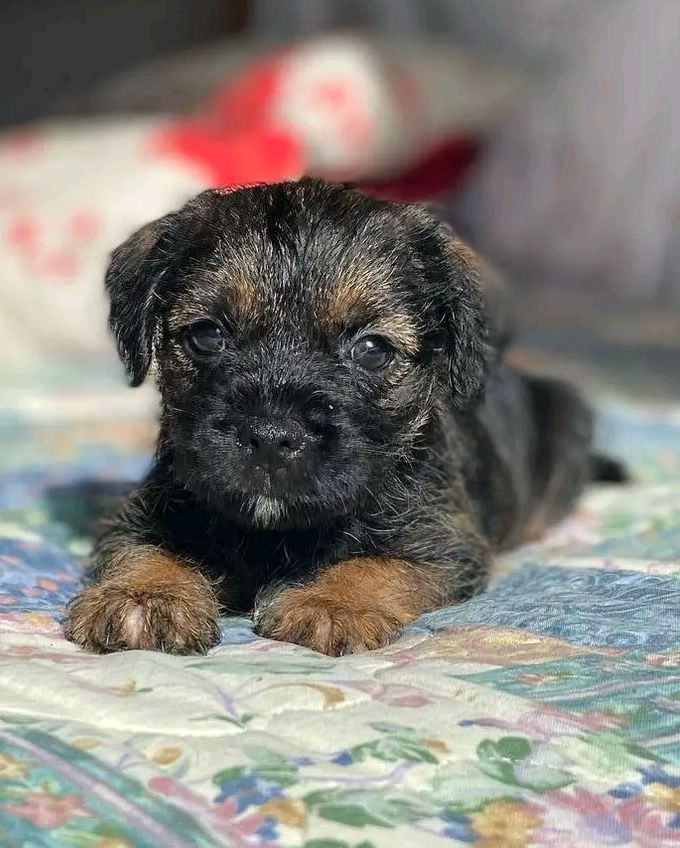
x=305 y=338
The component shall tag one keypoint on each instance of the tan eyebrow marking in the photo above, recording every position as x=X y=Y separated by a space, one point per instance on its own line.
x=355 y=290
x=362 y=293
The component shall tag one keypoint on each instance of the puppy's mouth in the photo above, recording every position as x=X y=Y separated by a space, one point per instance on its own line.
x=280 y=483
x=277 y=502
x=272 y=500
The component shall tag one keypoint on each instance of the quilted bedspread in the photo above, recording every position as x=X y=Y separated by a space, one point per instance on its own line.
x=545 y=712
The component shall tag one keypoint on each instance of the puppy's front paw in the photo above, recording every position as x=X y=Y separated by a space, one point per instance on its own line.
x=305 y=617
x=356 y=605
x=147 y=601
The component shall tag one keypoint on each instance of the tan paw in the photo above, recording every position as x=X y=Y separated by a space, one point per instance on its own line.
x=326 y=625
x=356 y=605
x=147 y=601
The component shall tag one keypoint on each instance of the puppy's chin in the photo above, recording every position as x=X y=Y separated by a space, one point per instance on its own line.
x=262 y=509
x=266 y=512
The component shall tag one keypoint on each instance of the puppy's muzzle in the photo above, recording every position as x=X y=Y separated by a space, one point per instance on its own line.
x=273 y=445
x=278 y=440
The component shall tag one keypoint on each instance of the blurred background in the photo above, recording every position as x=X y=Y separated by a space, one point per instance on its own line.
x=546 y=131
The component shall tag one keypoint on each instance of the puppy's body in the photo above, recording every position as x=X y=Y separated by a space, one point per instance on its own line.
x=344 y=451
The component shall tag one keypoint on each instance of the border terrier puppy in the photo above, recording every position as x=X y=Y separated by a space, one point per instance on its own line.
x=342 y=446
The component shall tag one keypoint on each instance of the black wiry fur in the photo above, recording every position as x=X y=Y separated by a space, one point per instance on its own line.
x=415 y=463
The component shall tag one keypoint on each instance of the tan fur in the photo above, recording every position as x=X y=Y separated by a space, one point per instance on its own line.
x=146 y=601
x=356 y=605
x=239 y=290
x=399 y=328
x=355 y=290
x=243 y=293
x=361 y=292
x=467 y=254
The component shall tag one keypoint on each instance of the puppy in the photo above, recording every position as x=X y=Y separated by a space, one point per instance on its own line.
x=342 y=446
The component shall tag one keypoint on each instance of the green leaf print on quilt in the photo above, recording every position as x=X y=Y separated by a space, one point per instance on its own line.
x=404 y=745
x=507 y=760
x=511 y=748
x=361 y=807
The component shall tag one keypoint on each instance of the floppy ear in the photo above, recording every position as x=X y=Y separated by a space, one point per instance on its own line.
x=456 y=290
x=494 y=288
x=466 y=327
x=133 y=279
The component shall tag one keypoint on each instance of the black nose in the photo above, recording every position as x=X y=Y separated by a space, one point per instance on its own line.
x=272 y=443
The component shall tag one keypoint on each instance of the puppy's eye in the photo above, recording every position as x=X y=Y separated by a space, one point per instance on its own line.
x=372 y=353
x=204 y=338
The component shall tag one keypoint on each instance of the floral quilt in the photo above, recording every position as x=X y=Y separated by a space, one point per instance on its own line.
x=545 y=712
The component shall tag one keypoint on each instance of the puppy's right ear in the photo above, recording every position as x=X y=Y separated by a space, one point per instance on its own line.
x=133 y=282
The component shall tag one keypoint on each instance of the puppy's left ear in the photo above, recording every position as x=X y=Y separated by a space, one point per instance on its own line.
x=466 y=336
x=133 y=280
x=143 y=274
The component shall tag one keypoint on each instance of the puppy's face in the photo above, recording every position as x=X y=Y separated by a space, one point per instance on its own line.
x=304 y=335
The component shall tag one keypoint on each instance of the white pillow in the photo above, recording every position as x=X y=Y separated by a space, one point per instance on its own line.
x=69 y=193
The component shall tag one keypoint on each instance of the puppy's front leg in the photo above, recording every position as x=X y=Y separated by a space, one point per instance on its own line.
x=356 y=605
x=145 y=599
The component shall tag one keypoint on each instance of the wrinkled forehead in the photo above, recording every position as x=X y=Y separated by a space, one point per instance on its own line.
x=323 y=277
